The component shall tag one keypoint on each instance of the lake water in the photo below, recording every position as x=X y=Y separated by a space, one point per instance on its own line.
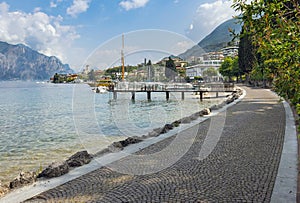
x=43 y=122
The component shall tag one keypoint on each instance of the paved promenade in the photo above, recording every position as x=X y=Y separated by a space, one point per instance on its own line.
x=242 y=167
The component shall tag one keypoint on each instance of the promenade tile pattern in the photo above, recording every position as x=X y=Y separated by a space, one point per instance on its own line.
x=242 y=167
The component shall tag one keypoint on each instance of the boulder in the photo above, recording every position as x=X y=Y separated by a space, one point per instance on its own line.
x=185 y=120
x=168 y=127
x=158 y=130
x=176 y=123
x=194 y=116
x=3 y=189
x=79 y=159
x=55 y=169
x=130 y=140
x=235 y=96
x=206 y=111
x=229 y=99
x=153 y=134
x=223 y=103
x=165 y=129
x=200 y=113
x=144 y=137
x=22 y=179
x=115 y=147
x=215 y=107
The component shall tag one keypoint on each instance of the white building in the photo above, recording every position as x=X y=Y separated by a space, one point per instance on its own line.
x=197 y=70
x=230 y=51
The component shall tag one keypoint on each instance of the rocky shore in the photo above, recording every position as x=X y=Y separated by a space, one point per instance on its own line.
x=57 y=169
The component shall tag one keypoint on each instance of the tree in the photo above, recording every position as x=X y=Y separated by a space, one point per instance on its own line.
x=226 y=68
x=56 y=78
x=247 y=53
x=275 y=27
x=236 y=71
x=210 y=72
x=170 y=70
x=150 y=71
x=182 y=72
x=149 y=63
x=91 y=75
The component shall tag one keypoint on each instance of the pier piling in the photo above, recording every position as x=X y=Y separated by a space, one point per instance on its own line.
x=167 y=95
x=133 y=96
x=148 y=95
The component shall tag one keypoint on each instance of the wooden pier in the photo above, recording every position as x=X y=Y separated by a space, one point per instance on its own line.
x=166 y=88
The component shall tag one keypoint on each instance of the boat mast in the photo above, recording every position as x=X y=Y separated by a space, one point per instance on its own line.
x=122 y=58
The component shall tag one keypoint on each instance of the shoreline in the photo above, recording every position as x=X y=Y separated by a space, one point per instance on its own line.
x=120 y=145
x=30 y=155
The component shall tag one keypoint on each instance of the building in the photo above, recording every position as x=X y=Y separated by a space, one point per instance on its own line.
x=99 y=73
x=231 y=51
x=213 y=56
x=179 y=62
x=197 y=70
x=192 y=60
x=86 y=70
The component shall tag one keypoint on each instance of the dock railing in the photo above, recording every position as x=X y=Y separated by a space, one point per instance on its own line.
x=150 y=87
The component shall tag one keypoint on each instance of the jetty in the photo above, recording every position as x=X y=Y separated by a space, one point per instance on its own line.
x=167 y=88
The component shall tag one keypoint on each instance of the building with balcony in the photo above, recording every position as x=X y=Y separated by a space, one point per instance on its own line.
x=198 y=70
x=231 y=51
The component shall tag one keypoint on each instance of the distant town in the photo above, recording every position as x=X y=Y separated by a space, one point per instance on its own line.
x=204 y=68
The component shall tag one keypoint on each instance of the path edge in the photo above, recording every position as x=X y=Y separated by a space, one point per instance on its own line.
x=285 y=188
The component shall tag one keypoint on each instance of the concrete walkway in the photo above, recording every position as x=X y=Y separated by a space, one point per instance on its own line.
x=242 y=167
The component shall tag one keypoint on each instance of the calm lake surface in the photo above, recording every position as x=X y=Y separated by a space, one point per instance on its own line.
x=43 y=122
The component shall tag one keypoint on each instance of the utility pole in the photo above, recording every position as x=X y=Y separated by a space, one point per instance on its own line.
x=122 y=58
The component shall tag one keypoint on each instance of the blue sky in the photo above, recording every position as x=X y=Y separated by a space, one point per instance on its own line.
x=73 y=30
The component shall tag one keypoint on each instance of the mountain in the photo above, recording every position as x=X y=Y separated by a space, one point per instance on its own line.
x=215 y=41
x=19 y=62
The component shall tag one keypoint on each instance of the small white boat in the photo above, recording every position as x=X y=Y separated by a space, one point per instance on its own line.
x=100 y=89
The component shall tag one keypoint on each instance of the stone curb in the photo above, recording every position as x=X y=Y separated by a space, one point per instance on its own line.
x=285 y=188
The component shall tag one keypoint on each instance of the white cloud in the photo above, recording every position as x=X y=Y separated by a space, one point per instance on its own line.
x=4 y=7
x=78 y=6
x=54 y=4
x=208 y=16
x=139 y=44
x=37 y=9
x=133 y=4
x=182 y=46
x=37 y=30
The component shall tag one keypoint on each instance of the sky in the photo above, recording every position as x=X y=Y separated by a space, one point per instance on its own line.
x=81 y=32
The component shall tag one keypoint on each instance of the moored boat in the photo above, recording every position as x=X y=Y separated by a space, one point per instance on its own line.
x=100 y=89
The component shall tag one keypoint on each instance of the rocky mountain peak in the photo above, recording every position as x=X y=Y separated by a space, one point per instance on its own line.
x=19 y=62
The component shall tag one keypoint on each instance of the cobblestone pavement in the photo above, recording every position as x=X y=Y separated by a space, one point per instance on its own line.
x=242 y=167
